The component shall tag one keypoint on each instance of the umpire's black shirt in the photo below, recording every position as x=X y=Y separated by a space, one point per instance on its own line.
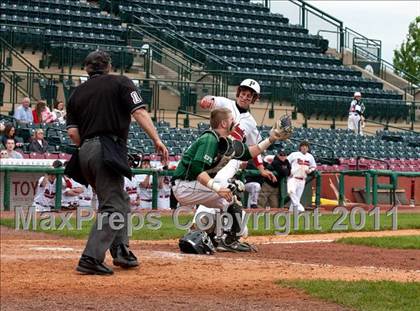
x=103 y=105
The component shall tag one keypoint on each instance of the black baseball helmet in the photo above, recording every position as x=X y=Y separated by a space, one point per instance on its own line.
x=196 y=242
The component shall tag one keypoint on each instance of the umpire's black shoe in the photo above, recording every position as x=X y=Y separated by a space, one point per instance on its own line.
x=123 y=257
x=89 y=265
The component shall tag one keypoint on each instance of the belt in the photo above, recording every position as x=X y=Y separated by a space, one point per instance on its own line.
x=145 y=200
x=166 y=196
x=300 y=178
x=91 y=139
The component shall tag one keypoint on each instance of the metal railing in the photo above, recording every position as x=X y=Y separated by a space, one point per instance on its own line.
x=155 y=173
x=189 y=45
x=18 y=84
x=371 y=184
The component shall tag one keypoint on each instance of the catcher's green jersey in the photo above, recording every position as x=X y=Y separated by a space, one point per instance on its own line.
x=201 y=156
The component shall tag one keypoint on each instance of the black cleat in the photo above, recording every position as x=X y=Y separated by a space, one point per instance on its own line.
x=123 y=257
x=89 y=265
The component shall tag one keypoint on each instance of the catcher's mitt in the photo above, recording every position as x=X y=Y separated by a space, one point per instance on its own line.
x=282 y=129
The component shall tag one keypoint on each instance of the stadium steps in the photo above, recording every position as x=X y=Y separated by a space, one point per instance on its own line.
x=390 y=80
x=387 y=85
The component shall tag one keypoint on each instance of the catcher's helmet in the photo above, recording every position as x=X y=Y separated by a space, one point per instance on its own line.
x=252 y=84
x=357 y=94
x=196 y=242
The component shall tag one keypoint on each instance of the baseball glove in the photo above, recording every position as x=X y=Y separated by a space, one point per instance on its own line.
x=282 y=129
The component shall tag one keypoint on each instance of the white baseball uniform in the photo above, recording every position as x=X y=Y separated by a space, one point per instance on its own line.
x=145 y=193
x=254 y=189
x=67 y=200
x=44 y=200
x=164 y=201
x=354 y=120
x=85 y=198
x=245 y=130
x=301 y=166
x=130 y=186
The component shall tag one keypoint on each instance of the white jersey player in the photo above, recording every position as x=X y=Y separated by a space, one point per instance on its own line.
x=164 y=193
x=44 y=200
x=131 y=187
x=244 y=129
x=71 y=190
x=355 y=120
x=302 y=163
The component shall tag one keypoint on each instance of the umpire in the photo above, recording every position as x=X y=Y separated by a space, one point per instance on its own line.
x=98 y=118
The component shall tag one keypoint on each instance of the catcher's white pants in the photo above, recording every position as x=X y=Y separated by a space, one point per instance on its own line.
x=354 y=123
x=295 y=189
x=191 y=193
x=253 y=188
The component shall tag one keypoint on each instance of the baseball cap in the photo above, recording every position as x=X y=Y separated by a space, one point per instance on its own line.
x=98 y=59
x=57 y=164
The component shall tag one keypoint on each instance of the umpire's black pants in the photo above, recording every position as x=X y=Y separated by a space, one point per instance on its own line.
x=109 y=187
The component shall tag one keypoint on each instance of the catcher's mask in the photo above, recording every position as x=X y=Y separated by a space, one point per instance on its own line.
x=196 y=242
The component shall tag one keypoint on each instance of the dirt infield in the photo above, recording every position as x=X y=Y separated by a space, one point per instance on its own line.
x=37 y=272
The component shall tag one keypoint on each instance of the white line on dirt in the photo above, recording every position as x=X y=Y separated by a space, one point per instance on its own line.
x=297 y=242
x=61 y=249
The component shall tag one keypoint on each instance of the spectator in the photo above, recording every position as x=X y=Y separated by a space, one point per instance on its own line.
x=11 y=153
x=270 y=190
x=253 y=186
x=60 y=112
x=2 y=127
x=23 y=113
x=4 y=154
x=42 y=113
x=9 y=133
x=38 y=143
x=302 y=163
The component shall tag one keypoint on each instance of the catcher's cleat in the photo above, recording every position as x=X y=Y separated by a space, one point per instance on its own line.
x=234 y=246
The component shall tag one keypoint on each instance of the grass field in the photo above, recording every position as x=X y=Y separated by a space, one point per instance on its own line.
x=168 y=230
x=399 y=242
x=363 y=295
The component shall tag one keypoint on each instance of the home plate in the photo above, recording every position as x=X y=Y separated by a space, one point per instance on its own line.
x=60 y=249
x=298 y=242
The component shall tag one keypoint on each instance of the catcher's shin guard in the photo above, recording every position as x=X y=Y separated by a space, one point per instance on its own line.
x=236 y=211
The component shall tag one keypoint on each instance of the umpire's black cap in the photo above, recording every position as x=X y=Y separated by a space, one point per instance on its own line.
x=98 y=59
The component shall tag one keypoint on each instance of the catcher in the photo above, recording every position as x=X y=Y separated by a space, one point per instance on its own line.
x=193 y=183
